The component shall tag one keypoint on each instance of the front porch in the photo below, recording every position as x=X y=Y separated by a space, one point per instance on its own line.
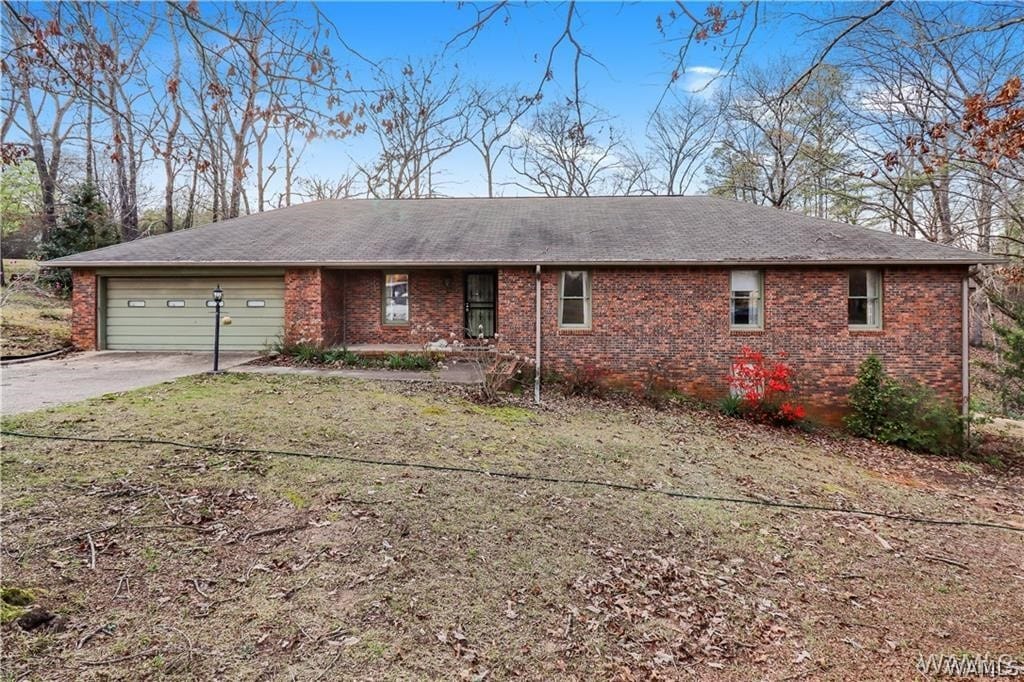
x=389 y=311
x=468 y=350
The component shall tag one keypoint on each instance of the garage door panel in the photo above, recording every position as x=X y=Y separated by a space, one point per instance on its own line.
x=164 y=317
x=157 y=326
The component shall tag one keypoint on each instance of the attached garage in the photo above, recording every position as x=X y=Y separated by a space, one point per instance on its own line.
x=177 y=313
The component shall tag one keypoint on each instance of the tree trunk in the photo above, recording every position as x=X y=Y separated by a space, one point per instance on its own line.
x=90 y=171
x=47 y=184
x=191 y=210
x=287 y=163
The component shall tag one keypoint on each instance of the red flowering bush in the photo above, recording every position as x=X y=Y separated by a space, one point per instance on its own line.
x=758 y=388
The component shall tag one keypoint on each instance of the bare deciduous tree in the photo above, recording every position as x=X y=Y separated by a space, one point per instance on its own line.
x=679 y=140
x=317 y=188
x=491 y=116
x=417 y=121
x=560 y=156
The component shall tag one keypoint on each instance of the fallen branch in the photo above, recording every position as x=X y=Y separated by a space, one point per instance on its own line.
x=123 y=583
x=195 y=583
x=328 y=667
x=273 y=531
x=944 y=560
x=305 y=564
x=881 y=541
x=105 y=629
x=288 y=594
x=121 y=659
x=92 y=552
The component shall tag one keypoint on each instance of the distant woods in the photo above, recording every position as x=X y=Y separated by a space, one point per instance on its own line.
x=908 y=118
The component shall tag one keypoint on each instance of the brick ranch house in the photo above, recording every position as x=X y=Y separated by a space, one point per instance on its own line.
x=640 y=287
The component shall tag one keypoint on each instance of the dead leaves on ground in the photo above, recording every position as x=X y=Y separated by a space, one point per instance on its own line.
x=664 y=612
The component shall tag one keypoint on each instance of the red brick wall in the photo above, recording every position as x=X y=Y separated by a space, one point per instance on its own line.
x=332 y=297
x=303 y=306
x=435 y=309
x=83 y=309
x=673 y=323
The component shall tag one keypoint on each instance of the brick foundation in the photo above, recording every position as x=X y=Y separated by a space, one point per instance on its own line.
x=83 y=310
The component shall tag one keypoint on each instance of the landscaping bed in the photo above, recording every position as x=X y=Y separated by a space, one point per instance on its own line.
x=309 y=355
x=165 y=560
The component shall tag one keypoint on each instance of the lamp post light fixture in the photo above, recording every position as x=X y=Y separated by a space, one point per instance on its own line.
x=218 y=301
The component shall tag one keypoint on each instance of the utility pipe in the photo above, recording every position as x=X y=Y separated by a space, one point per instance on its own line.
x=536 y=336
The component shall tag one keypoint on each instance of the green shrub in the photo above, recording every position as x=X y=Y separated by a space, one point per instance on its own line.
x=871 y=400
x=342 y=356
x=308 y=353
x=312 y=354
x=908 y=413
x=731 y=405
x=410 y=361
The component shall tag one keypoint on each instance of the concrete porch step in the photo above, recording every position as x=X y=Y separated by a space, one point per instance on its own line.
x=382 y=350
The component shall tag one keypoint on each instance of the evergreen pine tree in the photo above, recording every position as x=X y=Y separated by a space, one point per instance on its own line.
x=84 y=226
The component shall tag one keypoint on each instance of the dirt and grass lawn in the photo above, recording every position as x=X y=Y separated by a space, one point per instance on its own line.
x=32 y=318
x=159 y=560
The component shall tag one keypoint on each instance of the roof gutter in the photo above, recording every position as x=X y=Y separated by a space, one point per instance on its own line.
x=525 y=264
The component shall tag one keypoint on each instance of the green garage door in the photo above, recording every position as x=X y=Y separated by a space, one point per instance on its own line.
x=175 y=313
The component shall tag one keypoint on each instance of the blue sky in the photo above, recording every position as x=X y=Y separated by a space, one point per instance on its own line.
x=627 y=80
x=635 y=60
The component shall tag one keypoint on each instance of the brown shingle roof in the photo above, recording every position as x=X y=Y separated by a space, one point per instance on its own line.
x=593 y=230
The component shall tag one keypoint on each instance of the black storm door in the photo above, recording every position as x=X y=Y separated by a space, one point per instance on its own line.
x=481 y=296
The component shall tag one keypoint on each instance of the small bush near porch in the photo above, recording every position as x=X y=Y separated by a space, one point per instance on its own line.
x=159 y=560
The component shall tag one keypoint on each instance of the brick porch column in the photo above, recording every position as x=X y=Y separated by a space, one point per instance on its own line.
x=83 y=309
x=303 y=306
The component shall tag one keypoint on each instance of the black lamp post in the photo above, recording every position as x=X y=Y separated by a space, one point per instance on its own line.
x=218 y=301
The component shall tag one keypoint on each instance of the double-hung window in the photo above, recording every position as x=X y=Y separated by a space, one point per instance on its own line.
x=396 y=298
x=864 y=302
x=746 y=300
x=574 y=299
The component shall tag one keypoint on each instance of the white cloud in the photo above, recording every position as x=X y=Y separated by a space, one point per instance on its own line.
x=701 y=81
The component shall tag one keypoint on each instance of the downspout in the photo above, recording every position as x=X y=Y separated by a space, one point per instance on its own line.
x=536 y=336
x=965 y=367
x=344 y=309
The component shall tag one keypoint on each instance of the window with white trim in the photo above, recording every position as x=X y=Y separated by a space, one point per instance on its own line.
x=574 y=299
x=396 y=298
x=746 y=299
x=864 y=299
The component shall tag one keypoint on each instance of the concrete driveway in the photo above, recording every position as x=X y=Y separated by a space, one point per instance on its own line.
x=58 y=381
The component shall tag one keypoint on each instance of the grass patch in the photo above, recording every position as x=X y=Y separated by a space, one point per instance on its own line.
x=288 y=566
x=13 y=603
x=504 y=413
